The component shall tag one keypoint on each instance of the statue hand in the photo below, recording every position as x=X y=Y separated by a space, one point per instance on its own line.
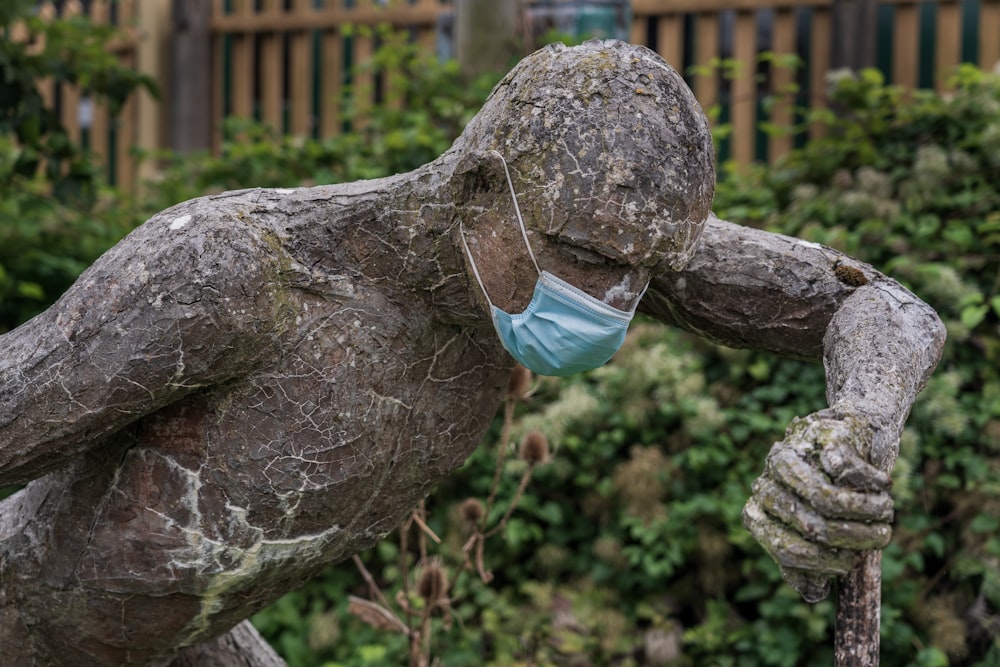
x=819 y=502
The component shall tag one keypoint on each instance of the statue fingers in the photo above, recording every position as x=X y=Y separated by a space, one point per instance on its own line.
x=846 y=467
x=807 y=567
x=790 y=549
x=805 y=479
x=789 y=509
x=858 y=535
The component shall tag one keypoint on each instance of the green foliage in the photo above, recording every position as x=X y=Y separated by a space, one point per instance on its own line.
x=44 y=245
x=69 y=50
x=55 y=217
x=908 y=181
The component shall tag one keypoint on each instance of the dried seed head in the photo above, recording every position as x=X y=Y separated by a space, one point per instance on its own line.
x=433 y=583
x=534 y=448
x=472 y=510
x=519 y=383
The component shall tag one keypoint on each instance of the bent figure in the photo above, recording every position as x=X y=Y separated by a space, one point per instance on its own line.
x=256 y=384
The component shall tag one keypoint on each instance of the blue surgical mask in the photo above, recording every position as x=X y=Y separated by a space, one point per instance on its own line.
x=563 y=330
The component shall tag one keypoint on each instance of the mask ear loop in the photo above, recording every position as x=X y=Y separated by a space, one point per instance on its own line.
x=517 y=210
x=520 y=222
x=472 y=263
x=635 y=306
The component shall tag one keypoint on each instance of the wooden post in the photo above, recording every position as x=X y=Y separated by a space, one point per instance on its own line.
x=151 y=49
x=743 y=98
x=272 y=72
x=948 y=49
x=859 y=605
x=484 y=34
x=854 y=26
x=989 y=28
x=191 y=76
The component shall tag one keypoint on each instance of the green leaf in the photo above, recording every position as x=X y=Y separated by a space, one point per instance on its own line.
x=972 y=316
x=935 y=543
x=984 y=523
x=372 y=654
x=30 y=290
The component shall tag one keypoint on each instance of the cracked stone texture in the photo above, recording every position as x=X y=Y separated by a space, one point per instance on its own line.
x=256 y=384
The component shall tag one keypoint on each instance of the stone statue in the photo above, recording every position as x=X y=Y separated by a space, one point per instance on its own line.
x=256 y=384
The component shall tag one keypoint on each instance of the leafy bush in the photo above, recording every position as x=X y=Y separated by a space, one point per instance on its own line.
x=55 y=215
x=908 y=181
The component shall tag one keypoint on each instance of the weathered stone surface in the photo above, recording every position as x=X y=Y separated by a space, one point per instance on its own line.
x=256 y=384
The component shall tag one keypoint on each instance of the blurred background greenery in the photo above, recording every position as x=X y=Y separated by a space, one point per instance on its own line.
x=627 y=547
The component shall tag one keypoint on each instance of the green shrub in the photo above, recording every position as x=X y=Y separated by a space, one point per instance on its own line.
x=55 y=215
x=910 y=182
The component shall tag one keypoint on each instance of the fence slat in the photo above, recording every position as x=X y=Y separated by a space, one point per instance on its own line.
x=744 y=99
x=272 y=73
x=242 y=65
x=989 y=29
x=639 y=29
x=819 y=63
x=47 y=87
x=948 y=50
x=151 y=119
x=706 y=49
x=426 y=38
x=126 y=125
x=670 y=40
x=363 y=83
x=781 y=79
x=905 y=55
x=332 y=84
x=69 y=96
x=99 y=123
x=218 y=48
x=300 y=74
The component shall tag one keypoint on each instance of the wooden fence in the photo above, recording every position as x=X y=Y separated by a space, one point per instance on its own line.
x=285 y=61
x=916 y=44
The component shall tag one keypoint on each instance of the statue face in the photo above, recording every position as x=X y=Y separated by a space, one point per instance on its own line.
x=609 y=150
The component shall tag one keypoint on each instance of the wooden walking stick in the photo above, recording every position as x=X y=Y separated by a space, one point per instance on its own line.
x=859 y=607
x=859 y=603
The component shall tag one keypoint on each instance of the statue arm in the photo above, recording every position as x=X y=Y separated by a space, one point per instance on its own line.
x=824 y=493
x=747 y=288
x=182 y=303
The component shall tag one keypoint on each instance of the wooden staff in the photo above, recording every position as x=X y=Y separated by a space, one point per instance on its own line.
x=859 y=604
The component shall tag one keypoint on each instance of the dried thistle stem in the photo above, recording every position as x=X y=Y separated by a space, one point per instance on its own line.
x=374 y=588
x=502 y=524
x=423 y=526
x=508 y=420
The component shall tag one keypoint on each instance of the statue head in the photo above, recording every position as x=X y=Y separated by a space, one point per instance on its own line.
x=608 y=147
